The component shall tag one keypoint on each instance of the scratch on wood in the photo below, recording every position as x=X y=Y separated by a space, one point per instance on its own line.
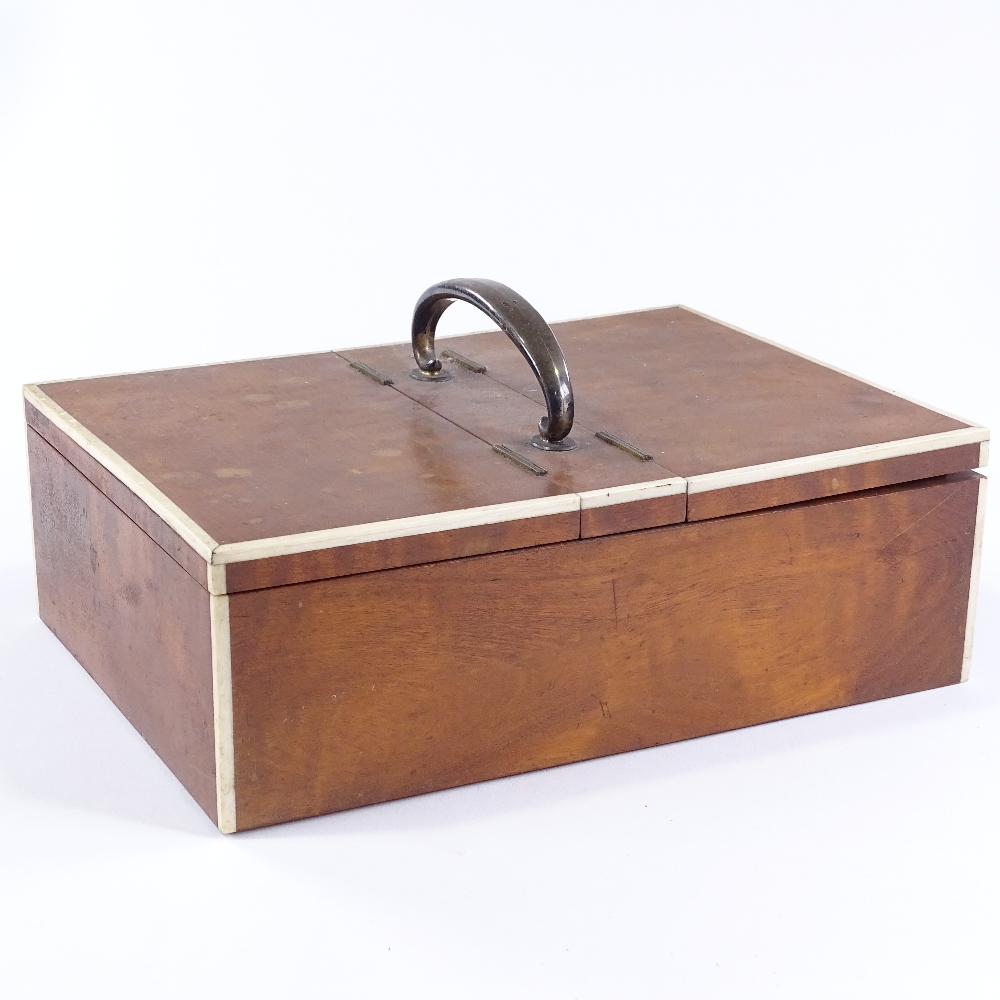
x=614 y=596
x=605 y=711
x=918 y=520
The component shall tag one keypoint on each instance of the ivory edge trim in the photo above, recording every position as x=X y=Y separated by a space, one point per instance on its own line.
x=218 y=555
x=977 y=558
x=128 y=475
x=614 y=495
x=837 y=459
x=222 y=700
x=378 y=531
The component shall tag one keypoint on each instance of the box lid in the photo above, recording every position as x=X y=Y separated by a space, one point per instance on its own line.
x=748 y=424
x=282 y=470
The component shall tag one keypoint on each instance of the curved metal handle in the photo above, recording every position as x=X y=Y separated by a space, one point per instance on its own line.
x=524 y=325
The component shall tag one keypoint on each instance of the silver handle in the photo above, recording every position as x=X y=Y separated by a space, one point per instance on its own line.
x=525 y=327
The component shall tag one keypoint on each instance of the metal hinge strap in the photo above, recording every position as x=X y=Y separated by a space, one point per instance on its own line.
x=620 y=442
x=461 y=359
x=525 y=463
x=373 y=373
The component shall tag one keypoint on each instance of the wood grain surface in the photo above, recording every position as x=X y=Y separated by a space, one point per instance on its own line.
x=498 y=414
x=830 y=482
x=381 y=685
x=633 y=516
x=281 y=446
x=702 y=397
x=320 y=563
x=409 y=550
x=136 y=621
x=119 y=494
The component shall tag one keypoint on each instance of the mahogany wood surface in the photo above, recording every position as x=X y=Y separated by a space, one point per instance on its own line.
x=371 y=687
x=632 y=516
x=498 y=414
x=702 y=397
x=136 y=621
x=830 y=482
x=321 y=563
x=119 y=494
x=280 y=446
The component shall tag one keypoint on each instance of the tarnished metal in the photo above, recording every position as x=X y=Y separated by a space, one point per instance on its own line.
x=441 y=375
x=620 y=442
x=373 y=373
x=521 y=460
x=524 y=326
x=468 y=363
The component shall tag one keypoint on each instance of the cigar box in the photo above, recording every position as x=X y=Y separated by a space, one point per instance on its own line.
x=321 y=581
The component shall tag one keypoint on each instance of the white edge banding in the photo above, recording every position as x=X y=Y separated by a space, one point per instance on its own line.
x=837 y=459
x=216 y=581
x=977 y=556
x=984 y=454
x=160 y=503
x=377 y=531
x=222 y=698
x=636 y=491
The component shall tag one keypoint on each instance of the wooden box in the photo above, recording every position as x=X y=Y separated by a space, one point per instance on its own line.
x=313 y=583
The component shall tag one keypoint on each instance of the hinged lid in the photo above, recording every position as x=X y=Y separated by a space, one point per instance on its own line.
x=282 y=470
x=748 y=424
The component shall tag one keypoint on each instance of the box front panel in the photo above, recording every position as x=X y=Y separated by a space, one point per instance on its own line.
x=362 y=689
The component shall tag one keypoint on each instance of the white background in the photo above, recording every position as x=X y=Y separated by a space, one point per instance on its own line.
x=184 y=183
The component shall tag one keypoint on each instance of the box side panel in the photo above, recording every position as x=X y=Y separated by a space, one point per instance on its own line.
x=118 y=493
x=368 y=688
x=135 y=620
